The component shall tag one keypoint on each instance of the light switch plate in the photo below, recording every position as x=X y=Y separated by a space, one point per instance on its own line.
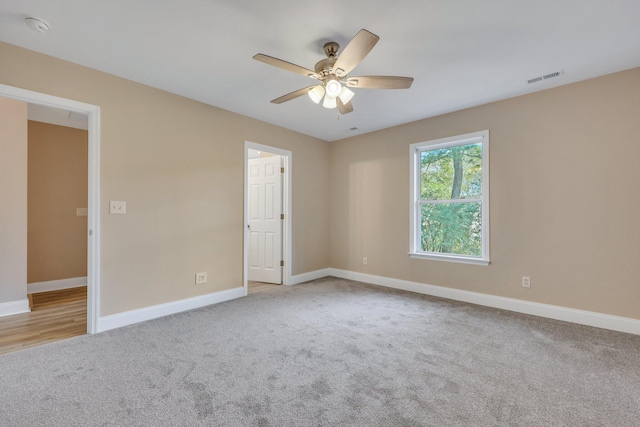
x=117 y=207
x=81 y=211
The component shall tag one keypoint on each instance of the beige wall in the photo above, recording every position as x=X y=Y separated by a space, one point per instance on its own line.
x=565 y=198
x=179 y=166
x=564 y=191
x=57 y=186
x=13 y=200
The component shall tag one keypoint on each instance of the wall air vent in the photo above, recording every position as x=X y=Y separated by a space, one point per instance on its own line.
x=546 y=77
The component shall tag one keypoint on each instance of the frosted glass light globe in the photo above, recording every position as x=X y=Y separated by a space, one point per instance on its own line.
x=333 y=88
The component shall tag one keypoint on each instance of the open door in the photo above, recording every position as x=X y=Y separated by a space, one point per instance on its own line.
x=265 y=219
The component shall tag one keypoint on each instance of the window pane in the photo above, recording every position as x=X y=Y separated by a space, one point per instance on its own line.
x=451 y=173
x=452 y=228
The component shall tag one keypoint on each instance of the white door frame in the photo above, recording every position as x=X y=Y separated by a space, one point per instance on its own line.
x=93 y=207
x=286 y=203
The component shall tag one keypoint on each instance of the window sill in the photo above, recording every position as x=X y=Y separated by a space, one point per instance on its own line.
x=450 y=258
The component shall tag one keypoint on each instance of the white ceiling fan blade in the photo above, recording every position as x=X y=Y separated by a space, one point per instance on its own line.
x=354 y=52
x=292 y=95
x=286 y=65
x=380 y=82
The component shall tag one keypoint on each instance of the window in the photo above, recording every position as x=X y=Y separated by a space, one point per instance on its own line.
x=450 y=199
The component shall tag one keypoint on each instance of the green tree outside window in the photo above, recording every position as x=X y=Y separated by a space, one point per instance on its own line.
x=450 y=200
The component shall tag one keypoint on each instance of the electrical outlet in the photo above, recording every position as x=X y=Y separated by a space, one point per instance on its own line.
x=117 y=207
x=364 y=261
x=526 y=281
x=201 y=278
x=81 y=211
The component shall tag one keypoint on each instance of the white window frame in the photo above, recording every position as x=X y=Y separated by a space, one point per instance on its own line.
x=414 y=209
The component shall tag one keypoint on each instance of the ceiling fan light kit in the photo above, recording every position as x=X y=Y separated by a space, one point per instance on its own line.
x=316 y=93
x=329 y=102
x=346 y=94
x=333 y=72
x=333 y=87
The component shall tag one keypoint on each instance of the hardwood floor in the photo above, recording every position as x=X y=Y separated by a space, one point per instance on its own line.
x=55 y=315
x=260 y=286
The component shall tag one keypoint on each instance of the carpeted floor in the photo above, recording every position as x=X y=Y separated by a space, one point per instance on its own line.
x=330 y=353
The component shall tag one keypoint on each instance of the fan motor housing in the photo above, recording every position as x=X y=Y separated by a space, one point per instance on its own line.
x=325 y=66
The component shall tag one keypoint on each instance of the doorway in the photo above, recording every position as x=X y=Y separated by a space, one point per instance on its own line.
x=267 y=213
x=92 y=113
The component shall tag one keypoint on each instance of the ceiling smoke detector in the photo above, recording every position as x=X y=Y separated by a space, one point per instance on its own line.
x=37 y=24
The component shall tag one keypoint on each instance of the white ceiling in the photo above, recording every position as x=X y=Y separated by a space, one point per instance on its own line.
x=461 y=53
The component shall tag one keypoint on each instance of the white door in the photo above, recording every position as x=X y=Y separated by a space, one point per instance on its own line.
x=265 y=222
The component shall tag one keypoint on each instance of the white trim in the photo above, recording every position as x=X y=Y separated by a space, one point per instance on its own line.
x=14 y=307
x=287 y=202
x=55 y=285
x=93 y=197
x=450 y=201
x=451 y=258
x=311 y=275
x=119 y=320
x=582 y=317
x=93 y=224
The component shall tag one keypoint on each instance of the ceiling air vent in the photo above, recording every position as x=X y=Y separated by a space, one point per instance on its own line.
x=546 y=77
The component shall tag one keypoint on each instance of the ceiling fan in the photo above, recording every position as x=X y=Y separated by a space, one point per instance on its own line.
x=332 y=74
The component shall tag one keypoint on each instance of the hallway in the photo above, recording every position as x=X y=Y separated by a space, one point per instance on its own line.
x=54 y=315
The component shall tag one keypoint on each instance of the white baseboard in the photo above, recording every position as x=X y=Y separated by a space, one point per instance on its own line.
x=56 y=285
x=14 y=307
x=589 y=318
x=312 y=275
x=119 y=320
x=582 y=317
